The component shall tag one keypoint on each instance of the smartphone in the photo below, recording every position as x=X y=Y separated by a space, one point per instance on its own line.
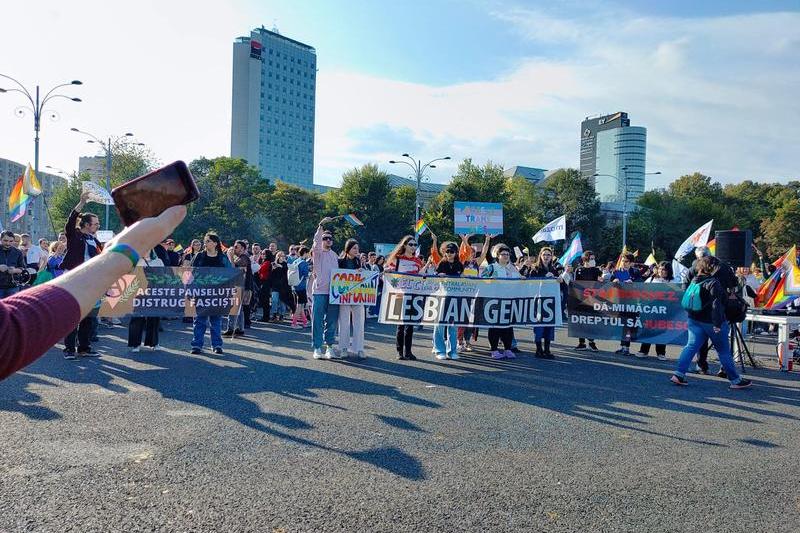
x=152 y=194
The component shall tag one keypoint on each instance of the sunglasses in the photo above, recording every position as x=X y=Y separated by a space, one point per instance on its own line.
x=450 y=252
x=412 y=244
x=327 y=238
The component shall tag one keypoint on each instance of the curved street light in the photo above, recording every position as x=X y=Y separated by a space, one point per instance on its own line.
x=107 y=151
x=624 y=200
x=37 y=105
x=419 y=169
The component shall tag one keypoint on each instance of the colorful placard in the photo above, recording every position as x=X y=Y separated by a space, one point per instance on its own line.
x=353 y=287
x=481 y=218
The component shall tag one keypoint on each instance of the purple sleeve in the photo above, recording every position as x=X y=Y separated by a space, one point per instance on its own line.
x=31 y=322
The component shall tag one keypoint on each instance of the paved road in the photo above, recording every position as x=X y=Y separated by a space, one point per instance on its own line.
x=266 y=439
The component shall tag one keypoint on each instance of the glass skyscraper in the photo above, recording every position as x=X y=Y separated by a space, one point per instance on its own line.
x=272 y=118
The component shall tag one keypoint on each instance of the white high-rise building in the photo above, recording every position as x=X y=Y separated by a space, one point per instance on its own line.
x=95 y=166
x=272 y=119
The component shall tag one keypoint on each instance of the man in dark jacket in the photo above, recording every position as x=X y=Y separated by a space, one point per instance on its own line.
x=727 y=280
x=588 y=271
x=82 y=245
x=12 y=261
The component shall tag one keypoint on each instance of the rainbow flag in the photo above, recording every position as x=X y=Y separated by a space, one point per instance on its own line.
x=30 y=184
x=17 y=201
x=779 y=299
x=353 y=220
x=420 y=227
x=712 y=246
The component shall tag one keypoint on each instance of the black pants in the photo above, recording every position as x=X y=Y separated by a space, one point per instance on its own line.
x=83 y=333
x=661 y=349
x=143 y=325
x=405 y=337
x=702 y=357
x=581 y=340
x=498 y=334
x=264 y=294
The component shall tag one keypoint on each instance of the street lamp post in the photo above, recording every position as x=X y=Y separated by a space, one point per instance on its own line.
x=36 y=108
x=624 y=199
x=419 y=170
x=108 y=153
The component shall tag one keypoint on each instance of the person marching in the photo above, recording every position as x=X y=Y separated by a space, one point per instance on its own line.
x=351 y=315
x=588 y=271
x=452 y=267
x=145 y=325
x=663 y=274
x=545 y=267
x=403 y=260
x=502 y=269
x=211 y=256
x=325 y=316
x=627 y=274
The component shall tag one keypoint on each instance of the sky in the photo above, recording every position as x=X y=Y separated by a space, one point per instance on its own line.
x=714 y=82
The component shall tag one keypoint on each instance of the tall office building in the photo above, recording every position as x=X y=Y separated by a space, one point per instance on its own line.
x=94 y=166
x=615 y=152
x=272 y=119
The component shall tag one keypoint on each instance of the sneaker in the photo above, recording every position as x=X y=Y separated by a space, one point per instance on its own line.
x=136 y=349
x=468 y=347
x=640 y=355
x=677 y=380
x=514 y=349
x=411 y=357
x=238 y=332
x=331 y=353
x=318 y=353
x=218 y=350
x=509 y=354
x=401 y=357
x=461 y=348
x=580 y=347
x=661 y=356
x=454 y=356
x=227 y=333
x=593 y=347
x=88 y=353
x=722 y=374
x=497 y=355
x=69 y=355
x=623 y=351
x=154 y=348
x=743 y=384
x=296 y=326
x=361 y=355
x=196 y=351
x=441 y=356
x=694 y=368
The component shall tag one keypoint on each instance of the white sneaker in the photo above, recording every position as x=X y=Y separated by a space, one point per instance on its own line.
x=454 y=356
x=331 y=353
x=137 y=349
x=318 y=354
x=441 y=356
x=661 y=357
x=639 y=355
x=297 y=326
x=154 y=348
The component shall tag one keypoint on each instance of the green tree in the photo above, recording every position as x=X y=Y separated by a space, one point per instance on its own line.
x=782 y=230
x=293 y=213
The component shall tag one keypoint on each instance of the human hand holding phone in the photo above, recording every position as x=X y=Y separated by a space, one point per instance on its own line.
x=150 y=195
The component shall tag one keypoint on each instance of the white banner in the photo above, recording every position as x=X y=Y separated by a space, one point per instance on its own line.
x=698 y=238
x=553 y=231
x=97 y=194
x=471 y=302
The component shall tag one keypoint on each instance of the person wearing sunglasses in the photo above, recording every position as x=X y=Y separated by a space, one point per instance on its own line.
x=404 y=260
x=627 y=274
x=503 y=268
x=325 y=316
x=449 y=266
x=545 y=267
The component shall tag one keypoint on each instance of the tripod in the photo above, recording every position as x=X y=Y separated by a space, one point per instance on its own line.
x=739 y=346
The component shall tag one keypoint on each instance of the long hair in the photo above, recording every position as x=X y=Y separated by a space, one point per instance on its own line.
x=348 y=245
x=215 y=238
x=540 y=262
x=400 y=249
x=668 y=266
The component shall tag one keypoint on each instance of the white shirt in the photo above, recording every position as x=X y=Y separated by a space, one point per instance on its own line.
x=34 y=255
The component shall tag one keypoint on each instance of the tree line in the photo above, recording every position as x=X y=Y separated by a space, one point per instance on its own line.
x=236 y=202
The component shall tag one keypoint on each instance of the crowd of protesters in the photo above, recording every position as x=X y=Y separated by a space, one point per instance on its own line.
x=292 y=287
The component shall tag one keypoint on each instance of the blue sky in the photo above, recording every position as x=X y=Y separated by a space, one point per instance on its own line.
x=714 y=82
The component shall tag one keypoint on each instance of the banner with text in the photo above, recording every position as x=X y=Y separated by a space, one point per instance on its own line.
x=472 y=302
x=175 y=292
x=480 y=218
x=354 y=287
x=644 y=312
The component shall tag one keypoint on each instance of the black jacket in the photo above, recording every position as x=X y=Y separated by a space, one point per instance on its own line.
x=12 y=258
x=724 y=273
x=713 y=297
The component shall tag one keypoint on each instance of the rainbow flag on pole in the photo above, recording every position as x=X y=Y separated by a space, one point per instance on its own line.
x=17 y=201
x=420 y=227
x=30 y=184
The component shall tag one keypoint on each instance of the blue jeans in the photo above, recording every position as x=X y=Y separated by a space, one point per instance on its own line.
x=325 y=315
x=376 y=309
x=8 y=292
x=277 y=307
x=541 y=332
x=439 y=344
x=699 y=332
x=200 y=323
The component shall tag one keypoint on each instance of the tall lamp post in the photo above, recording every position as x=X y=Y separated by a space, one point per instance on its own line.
x=624 y=199
x=106 y=147
x=419 y=170
x=37 y=105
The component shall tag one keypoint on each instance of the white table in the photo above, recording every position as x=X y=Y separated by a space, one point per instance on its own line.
x=786 y=324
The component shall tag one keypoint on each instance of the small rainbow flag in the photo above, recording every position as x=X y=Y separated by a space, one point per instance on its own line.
x=712 y=246
x=17 y=201
x=353 y=220
x=420 y=227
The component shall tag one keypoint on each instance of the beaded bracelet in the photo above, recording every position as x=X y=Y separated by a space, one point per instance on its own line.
x=127 y=251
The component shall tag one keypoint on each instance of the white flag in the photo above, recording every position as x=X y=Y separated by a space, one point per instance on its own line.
x=553 y=231
x=97 y=194
x=698 y=238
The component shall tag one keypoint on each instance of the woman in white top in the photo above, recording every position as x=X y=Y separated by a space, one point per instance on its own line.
x=662 y=274
x=502 y=268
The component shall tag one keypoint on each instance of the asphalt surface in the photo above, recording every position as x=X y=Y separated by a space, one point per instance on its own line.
x=266 y=439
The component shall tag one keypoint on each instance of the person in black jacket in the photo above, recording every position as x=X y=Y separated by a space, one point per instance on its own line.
x=211 y=256
x=12 y=261
x=588 y=271
x=545 y=267
x=708 y=322
x=728 y=281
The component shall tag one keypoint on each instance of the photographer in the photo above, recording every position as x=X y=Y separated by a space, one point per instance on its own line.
x=12 y=261
x=32 y=321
